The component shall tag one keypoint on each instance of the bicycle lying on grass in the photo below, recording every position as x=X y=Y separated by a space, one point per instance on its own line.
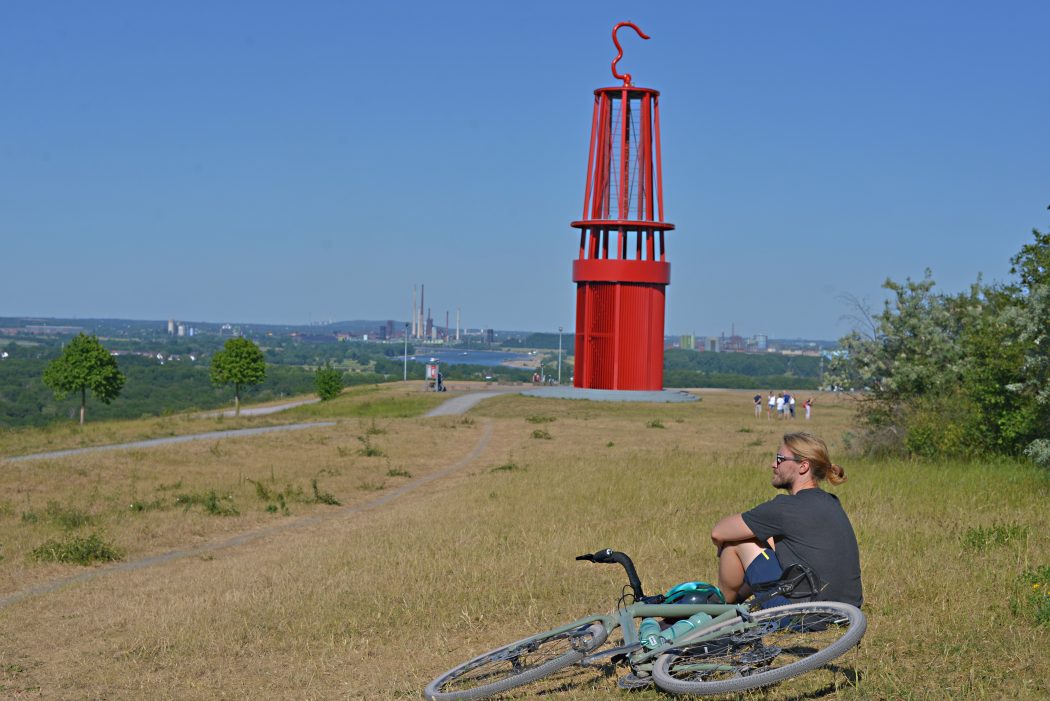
x=728 y=648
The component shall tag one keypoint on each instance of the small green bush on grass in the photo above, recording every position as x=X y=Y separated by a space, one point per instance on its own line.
x=1033 y=598
x=210 y=502
x=983 y=538
x=77 y=550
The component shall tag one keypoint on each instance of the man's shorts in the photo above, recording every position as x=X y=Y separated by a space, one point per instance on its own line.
x=765 y=569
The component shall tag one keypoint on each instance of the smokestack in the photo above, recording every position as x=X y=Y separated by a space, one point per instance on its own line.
x=422 y=319
x=457 y=324
x=415 y=316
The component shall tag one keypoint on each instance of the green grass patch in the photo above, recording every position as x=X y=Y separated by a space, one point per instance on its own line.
x=369 y=450
x=1033 y=598
x=655 y=423
x=541 y=434
x=209 y=502
x=139 y=506
x=507 y=467
x=536 y=419
x=397 y=472
x=68 y=518
x=368 y=403
x=981 y=538
x=77 y=550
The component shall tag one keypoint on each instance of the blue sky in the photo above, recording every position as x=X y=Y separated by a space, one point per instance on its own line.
x=290 y=162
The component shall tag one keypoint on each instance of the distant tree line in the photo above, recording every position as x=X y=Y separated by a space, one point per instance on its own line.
x=743 y=364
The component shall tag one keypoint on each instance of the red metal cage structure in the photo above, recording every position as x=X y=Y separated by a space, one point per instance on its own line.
x=622 y=271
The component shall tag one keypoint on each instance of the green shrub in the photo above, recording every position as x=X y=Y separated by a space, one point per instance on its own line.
x=69 y=518
x=1038 y=451
x=323 y=497
x=509 y=466
x=77 y=550
x=328 y=382
x=655 y=423
x=1033 y=598
x=541 y=434
x=210 y=502
x=138 y=505
x=982 y=538
x=539 y=419
x=369 y=450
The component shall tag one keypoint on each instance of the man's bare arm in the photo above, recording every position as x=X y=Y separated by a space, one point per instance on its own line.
x=731 y=529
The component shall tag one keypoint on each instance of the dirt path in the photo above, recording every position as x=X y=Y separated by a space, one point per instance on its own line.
x=253 y=535
x=463 y=403
x=153 y=442
x=260 y=410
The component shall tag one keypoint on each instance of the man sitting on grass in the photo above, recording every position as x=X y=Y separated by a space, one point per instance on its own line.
x=806 y=526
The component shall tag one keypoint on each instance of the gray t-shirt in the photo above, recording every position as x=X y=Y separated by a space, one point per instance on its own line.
x=810 y=528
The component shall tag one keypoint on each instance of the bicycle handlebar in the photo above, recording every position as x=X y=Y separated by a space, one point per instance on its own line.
x=609 y=556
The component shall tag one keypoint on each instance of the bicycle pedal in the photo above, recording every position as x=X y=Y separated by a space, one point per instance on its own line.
x=631 y=681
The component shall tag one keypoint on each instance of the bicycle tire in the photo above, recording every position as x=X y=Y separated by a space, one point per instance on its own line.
x=817 y=632
x=516 y=664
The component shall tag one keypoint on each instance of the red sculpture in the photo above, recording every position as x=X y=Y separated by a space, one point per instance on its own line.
x=622 y=272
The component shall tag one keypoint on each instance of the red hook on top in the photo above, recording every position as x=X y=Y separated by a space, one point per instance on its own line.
x=626 y=77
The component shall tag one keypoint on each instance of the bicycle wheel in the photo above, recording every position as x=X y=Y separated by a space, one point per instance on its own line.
x=519 y=663
x=783 y=642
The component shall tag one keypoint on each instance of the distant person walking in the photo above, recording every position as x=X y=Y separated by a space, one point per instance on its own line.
x=780 y=405
x=758 y=406
x=809 y=407
x=772 y=403
x=791 y=405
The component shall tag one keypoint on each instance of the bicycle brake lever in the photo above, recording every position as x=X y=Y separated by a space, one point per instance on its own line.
x=602 y=556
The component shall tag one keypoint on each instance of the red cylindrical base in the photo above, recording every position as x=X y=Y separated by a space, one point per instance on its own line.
x=619 y=336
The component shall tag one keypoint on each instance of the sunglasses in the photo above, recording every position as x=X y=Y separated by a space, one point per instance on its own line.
x=782 y=458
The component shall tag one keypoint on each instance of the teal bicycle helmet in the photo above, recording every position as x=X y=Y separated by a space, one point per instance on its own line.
x=694 y=593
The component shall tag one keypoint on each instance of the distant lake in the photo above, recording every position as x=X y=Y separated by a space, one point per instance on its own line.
x=465 y=357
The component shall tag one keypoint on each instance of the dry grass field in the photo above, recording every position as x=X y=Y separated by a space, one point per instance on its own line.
x=240 y=577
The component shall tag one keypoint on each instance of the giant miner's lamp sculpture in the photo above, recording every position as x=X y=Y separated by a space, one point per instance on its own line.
x=622 y=271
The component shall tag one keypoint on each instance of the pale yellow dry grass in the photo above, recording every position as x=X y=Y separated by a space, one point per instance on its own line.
x=372 y=603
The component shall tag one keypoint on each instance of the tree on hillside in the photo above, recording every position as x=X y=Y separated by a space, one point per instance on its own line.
x=964 y=374
x=329 y=382
x=239 y=363
x=83 y=365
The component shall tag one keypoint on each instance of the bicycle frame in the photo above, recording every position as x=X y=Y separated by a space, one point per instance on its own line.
x=627 y=619
x=640 y=658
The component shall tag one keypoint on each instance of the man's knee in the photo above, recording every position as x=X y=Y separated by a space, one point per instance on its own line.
x=746 y=551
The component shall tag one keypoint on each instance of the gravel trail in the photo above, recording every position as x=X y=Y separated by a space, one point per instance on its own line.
x=153 y=442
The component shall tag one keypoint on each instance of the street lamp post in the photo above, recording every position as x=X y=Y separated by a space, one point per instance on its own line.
x=406 y=352
x=559 y=355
